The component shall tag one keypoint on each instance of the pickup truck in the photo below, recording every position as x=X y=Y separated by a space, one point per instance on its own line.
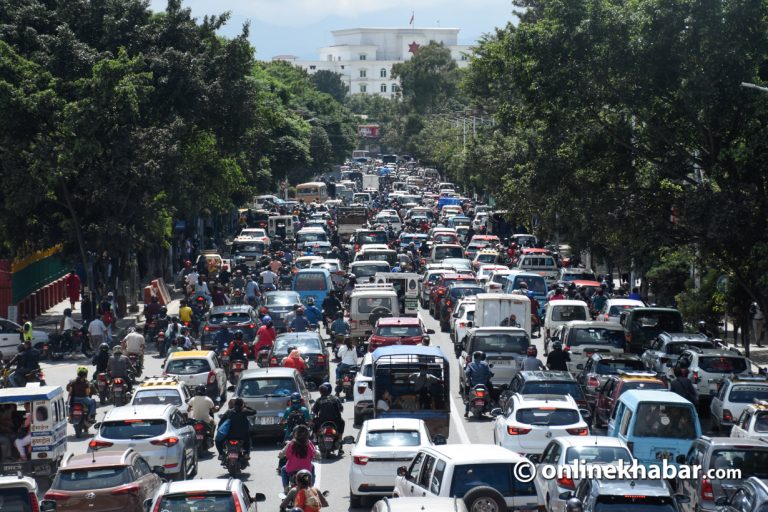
x=350 y=219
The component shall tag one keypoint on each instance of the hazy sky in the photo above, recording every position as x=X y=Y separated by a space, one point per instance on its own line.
x=301 y=27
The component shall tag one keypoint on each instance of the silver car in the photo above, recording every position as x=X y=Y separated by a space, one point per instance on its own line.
x=159 y=432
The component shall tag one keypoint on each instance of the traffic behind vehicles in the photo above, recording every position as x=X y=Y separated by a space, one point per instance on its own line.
x=398 y=331
x=615 y=386
x=280 y=304
x=736 y=393
x=642 y=325
x=311 y=348
x=220 y=494
x=267 y=391
x=199 y=368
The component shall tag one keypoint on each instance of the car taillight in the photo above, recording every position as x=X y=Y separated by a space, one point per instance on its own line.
x=727 y=416
x=566 y=482
x=321 y=359
x=251 y=325
x=359 y=460
x=578 y=431
x=329 y=431
x=167 y=442
x=117 y=381
x=207 y=328
x=234 y=442
x=515 y=431
x=480 y=393
x=56 y=495
x=273 y=361
x=696 y=377
x=707 y=492
x=606 y=317
x=199 y=427
x=448 y=302
x=126 y=489
x=588 y=353
x=593 y=382
x=352 y=324
x=567 y=348
x=462 y=324
x=236 y=499
x=96 y=445
x=211 y=377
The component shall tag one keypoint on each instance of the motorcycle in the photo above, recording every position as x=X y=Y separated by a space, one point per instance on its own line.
x=345 y=383
x=236 y=367
x=479 y=400
x=328 y=440
x=78 y=418
x=203 y=437
x=135 y=360
x=286 y=278
x=102 y=387
x=33 y=376
x=262 y=357
x=235 y=459
x=288 y=497
x=69 y=343
x=119 y=394
x=237 y=296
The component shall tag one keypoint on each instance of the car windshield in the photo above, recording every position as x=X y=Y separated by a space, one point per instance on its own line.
x=720 y=364
x=369 y=269
x=659 y=320
x=280 y=299
x=314 y=236
x=378 y=256
x=576 y=276
x=595 y=336
x=91 y=478
x=597 y=455
x=553 y=388
x=188 y=366
x=751 y=461
x=132 y=429
x=310 y=281
x=486 y=258
x=278 y=386
x=665 y=420
x=157 y=397
x=372 y=237
x=549 y=416
x=202 y=501
x=632 y=503
x=15 y=499
x=460 y=292
x=747 y=394
x=367 y=305
x=499 y=476
x=501 y=342
x=401 y=331
x=392 y=438
x=231 y=317
x=568 y=313
x=303 y=343
x=612 y=366
x=447 y=252
x=536 y=284
x=616 y=310
x=677 y=348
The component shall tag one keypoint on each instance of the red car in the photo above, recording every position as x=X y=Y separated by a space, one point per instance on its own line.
x=398 y=331
x=440 y=287
x=615 y=386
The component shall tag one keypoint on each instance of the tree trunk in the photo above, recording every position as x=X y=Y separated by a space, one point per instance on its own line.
x=745 y=335
x=79 y=236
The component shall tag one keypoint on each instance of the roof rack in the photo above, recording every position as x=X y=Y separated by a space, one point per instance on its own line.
x=761 y=403
x=637 y=373
x=373 y=286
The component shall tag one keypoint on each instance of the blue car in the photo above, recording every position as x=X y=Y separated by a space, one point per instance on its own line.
x=416 y=238
x=535 y=282
x=313 y=282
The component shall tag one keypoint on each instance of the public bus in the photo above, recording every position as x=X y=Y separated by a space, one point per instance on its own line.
x=312 y=192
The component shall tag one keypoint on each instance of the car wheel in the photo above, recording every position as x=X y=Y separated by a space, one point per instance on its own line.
x=484 y=499
x=195 y=465
x=182 y=474
x=358 y=421
x=354 y=500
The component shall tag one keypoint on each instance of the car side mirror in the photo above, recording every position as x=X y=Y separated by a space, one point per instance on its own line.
x=430 y=331
x=259 y=497
x=585 y=413
x=496 y=412
x=439 y=439
x=97 y=426
x=158 y=470
x=368 y=333
x=721 y=501
x=470 y=324
x=735 y=350
x=402 y=471
x=426 y=339
x=348 y=440
x=50 y=506
x=534 y=458
x=565 y=496
x=311 y=386
x=329 y=344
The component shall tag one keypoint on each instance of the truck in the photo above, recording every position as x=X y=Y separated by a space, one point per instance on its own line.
x=502 y=310
x=349 y=219
x=370 y=181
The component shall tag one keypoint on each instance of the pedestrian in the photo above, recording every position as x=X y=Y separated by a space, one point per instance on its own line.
x=72 y=282
x=758 y=323
x=97 y=332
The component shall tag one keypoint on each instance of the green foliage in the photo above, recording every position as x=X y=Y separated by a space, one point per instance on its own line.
x=668 y=277
x=331 y=84
x=429 y=79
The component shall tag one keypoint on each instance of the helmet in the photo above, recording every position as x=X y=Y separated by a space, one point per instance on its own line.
x=557 y=346
x=295 y=398
x=200 y=298
x=304 y=477
x=68 y=312
x=531 y=350
x=82 y=370
x=574 y=505
x=325 y=388
x=200 y=390
x=118 y=349
x=187 y=263
x=22 y=347
x=702 y=323
x=104 y=347
x=351 y=276
x=310 y=301
x=266 y=319
x=478 y=355
x=238 y=334
x=530 y=294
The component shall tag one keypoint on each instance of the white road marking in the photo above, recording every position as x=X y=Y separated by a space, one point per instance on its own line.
x=458 y=420
x=318 y=473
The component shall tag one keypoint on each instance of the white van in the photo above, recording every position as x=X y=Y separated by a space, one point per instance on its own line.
x=560 y=312
x=542 y=264
x=367 y=303
x=440 y=252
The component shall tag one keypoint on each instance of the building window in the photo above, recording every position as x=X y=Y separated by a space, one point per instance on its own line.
x=312 y=67
x=464 y=56
x=330 y=57
x=362 y=56
x=363 y=88
x=342 y=67
x=383 y=73
x=395 y=88
x=363 y=73
x=383 y=87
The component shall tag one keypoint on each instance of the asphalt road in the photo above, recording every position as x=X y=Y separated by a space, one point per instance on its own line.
x=332 y=475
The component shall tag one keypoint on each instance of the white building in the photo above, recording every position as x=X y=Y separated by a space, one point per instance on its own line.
x=364 y=56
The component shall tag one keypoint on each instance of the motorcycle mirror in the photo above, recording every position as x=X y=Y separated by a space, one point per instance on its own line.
x=49 y=506
x=326 y=493
x=402 y=471
x=158 y=470
x=496 y=412
x=258 y=497
x=147 y=504
x=430 y=331
x=348 y=440
x=439 y=439
x=97 y=426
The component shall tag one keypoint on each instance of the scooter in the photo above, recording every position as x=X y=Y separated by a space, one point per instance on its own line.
x=235 y=459
x=345 y=383
x=328 y=440
x=203 y=437
x=119 y=394
x=78 y=417
x=136 y=362
x=69 y=343
x=236 y=367
x=262 y=357
x=237 y=296
x=479 y=400
x=102 y=387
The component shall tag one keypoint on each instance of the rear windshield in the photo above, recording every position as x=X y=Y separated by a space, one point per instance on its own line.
x=641 y=385
x=535 y=284
x=132 y=429
x=574 y=276
x=188 y=366
x=501 y=343
x=281 y=300
x=595 y=336
x=369 y=269
x=465 y=292
x=568 y=313
x=87 y=479
x=752 y=461
x=612 y=366
x=746 y=394
x=229 y=317
x=157 y=397
x=275 y=386
x=609 y=503
x=664 y=420
x=499 y=476
x=393 y=438
x=761 y=422
x=310 y=343
x=369 y=304
x=537 y=262
x=447 y=252
x=314 y=236
x=616 y=310
x=597 y=455
x=378 y=256
x=723 y=364
x=677 y=348
x=15 y=499
x=403 y=331
x=486 y=258
x=553 y=388
x=311 y=281
x=549 y=416
x=659 y=320
x=372 y=237
x=257 y=247
x=198 y=502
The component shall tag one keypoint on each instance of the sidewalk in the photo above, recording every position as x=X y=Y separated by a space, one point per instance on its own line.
x=50 y=319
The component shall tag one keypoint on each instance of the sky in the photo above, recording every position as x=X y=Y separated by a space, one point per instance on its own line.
x=302 y=27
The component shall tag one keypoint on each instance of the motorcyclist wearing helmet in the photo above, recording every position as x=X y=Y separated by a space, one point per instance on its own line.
x=477 y=372
x=223 y=338
x=80 y=392
x=328 y=408
x=294 y=415
x=574 y=505
x=101 y=358
x=185 y=313
x=313 y=315
x=133 y=343
x=239 y=281
x=308 y=498
x=558 y=359
x=331 y=307
x=238 y=349
x=266 y=335
x=683 y=386
x=27 y=361
x=239 y=427
x=300 y=323
x=120 y=366
x=532 y=363
x=201 y=407
x=340 y=327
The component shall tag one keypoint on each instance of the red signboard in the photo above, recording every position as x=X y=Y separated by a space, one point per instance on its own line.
x=368 y=131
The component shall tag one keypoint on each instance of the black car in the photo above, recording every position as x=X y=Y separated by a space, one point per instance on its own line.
x=453 y=295
x=235 y=316
x=312 y=349
x=279 y=304
x=547 y=383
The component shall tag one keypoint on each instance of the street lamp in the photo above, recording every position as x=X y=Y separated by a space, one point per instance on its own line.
x=754 y=86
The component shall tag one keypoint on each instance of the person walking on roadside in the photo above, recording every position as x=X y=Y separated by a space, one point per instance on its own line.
x=72 y=282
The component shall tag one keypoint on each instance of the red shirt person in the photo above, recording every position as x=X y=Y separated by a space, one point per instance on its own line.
x=72 y=282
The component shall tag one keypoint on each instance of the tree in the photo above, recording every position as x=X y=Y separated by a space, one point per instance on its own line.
x=330 y=83
x=429 y=79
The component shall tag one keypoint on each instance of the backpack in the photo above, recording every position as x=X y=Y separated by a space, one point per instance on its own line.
x=327 y=408
x=294 y=419
x=223 y=431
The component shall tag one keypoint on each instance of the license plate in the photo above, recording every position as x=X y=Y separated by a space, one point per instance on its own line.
x=199 y=437
x=267 y=420
x=479 y=402
x=502 y=362
x=347 y=384
x=328 y=439
x=233 y=456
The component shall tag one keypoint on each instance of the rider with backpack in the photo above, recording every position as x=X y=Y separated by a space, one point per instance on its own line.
x=295 y=414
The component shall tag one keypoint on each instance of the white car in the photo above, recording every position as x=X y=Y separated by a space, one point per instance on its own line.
x=736 y=393
x=612 y=309
x=418 y=504
x=480 y=473
x=386 y=220
x=162 y=391
x=10 y=338
x=565 y=451
x=383 y=445
x=464 y=313
x=498 y=279
x=485 y=271
x=215 y=493
x=753 y=422
x=529 y=422
x=362 y=391
x=708 y=367
x=479 y=221
x=158 y=432
x=19 y=493
x=199 y=368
